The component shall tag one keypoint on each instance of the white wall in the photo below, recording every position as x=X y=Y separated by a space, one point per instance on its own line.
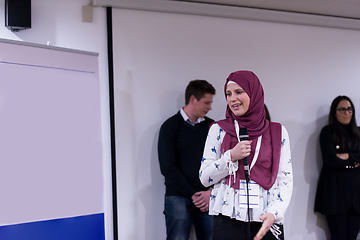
x=60 y=23
x=302 y=69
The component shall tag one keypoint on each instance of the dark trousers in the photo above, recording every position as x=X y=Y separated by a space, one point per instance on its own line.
x=181 y=214
x=226 y=228
x=344 y=226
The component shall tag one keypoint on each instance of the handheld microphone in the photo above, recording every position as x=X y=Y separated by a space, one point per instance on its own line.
x=244 y=135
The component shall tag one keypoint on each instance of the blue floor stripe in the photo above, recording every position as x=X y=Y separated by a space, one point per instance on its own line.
x=89 y=227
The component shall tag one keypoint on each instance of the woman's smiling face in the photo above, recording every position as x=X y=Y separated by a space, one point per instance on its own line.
x=237 y=99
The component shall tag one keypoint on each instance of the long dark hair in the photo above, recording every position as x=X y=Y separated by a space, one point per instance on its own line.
x=267 y=116
x=338 y=135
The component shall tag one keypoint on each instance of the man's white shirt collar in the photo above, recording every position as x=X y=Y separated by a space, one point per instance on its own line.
x=186 y=118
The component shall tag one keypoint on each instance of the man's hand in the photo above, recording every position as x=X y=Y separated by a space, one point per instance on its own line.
x=268 y=220
x=201 y=200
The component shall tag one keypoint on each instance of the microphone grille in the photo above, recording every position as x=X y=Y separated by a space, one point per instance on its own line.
x=243 y=131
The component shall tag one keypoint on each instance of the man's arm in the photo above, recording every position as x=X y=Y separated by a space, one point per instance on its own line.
x=167 y=151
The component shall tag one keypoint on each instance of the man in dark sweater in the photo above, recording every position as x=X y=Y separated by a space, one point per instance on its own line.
x=180 y=148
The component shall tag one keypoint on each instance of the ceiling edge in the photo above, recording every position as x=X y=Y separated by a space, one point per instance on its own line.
x=204 y=9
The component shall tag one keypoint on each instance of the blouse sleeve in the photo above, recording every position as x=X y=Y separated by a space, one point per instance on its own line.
x=215 y=165
x=281 y=191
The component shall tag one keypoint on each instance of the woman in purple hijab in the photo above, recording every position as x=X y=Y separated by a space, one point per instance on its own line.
x=247 y=207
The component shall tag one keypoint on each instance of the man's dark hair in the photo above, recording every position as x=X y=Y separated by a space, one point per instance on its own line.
x=198 y=88
x=338 y=135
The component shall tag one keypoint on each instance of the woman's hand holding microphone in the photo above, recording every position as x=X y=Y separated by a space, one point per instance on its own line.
x=241 y=150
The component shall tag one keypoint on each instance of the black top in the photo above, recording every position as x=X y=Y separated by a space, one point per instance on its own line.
x=180 y=150
x=339 y=184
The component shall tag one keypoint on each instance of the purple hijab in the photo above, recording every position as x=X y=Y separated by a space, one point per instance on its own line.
x=266 y=168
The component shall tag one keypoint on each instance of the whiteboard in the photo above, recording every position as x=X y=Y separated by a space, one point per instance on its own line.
x=302 y=69
x=50 y=134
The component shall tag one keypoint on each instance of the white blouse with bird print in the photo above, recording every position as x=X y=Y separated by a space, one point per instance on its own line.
x=229 y=201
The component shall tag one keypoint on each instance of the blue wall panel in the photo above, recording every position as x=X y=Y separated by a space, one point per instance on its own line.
x=89 y=227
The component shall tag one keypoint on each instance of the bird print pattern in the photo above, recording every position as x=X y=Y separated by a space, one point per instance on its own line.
x=224 y=199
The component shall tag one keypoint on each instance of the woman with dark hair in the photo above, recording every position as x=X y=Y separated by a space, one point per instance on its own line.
x=259 y=212
x=337 y=195
x=267 y=113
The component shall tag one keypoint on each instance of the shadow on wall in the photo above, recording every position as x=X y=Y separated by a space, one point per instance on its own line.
x=152 y=194
x=124 y=104
x=307 y=163
x=314 y=161
x=170 y=103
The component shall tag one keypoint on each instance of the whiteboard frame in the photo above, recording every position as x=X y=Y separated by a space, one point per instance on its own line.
x=213 y=10
x=48 y=47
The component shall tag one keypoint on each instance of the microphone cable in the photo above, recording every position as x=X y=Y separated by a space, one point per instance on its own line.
x=243 y=134
x=248 y=208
